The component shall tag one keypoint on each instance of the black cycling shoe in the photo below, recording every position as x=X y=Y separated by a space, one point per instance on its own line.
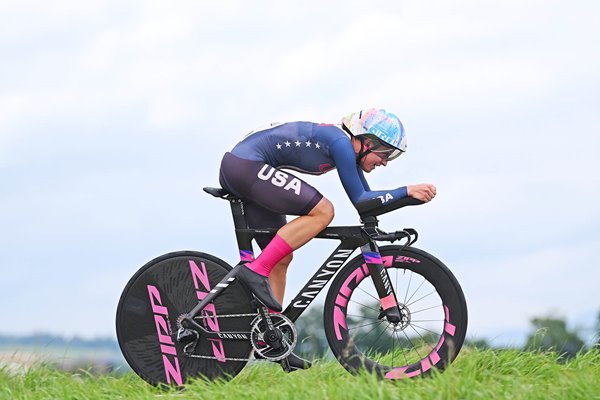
x=294 y=363
x=291 y=363
x=259 y=286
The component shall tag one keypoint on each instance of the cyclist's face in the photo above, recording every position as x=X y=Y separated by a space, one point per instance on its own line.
x=378 y=155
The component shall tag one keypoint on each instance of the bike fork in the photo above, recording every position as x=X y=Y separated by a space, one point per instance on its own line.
x=382 y=282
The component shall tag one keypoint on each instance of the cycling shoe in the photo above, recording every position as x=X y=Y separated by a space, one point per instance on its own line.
x=291 y=363
x=294 y=363
x=259 y=286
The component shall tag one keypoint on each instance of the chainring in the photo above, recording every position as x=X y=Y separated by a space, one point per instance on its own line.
x=289 y=339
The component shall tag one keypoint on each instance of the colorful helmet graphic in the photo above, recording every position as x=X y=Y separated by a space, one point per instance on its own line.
x=380 y=125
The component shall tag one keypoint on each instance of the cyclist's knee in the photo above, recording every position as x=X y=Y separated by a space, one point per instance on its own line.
x=324 y=211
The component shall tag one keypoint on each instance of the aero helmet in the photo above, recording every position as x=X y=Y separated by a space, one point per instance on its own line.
x=385 y=128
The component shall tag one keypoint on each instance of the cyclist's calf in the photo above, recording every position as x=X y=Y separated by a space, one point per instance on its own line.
x=277 y=277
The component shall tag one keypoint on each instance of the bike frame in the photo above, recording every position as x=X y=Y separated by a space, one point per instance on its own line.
x=351 y=237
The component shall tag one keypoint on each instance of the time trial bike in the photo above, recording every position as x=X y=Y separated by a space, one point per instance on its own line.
x=395 y=311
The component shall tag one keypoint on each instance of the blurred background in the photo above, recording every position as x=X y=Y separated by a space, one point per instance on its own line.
x=115 y=114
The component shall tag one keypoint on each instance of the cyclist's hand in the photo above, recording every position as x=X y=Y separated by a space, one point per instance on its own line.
x=424 y=191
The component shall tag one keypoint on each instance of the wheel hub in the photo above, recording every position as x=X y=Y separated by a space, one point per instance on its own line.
x=406 y=317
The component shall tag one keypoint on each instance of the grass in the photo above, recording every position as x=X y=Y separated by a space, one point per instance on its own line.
x=476 y=374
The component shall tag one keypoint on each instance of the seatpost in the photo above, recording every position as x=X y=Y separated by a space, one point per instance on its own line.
x=237 y=211
x=244 y=240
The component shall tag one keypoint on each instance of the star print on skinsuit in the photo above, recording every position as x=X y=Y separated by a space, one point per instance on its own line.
x=308 y=143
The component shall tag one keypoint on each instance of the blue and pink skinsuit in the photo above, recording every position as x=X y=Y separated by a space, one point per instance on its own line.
x=253 y=171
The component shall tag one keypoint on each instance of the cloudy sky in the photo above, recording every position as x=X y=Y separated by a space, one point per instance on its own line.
x=115 y=114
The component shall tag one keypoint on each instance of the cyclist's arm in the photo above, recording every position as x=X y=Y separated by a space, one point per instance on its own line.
x=345 y=161
x=361 y=175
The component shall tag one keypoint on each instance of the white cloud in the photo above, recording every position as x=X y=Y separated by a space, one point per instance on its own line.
x=104 y=104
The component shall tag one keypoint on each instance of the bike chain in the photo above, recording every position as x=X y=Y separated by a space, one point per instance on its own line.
x=226 y=315
x=213 y=357
x=191 y=355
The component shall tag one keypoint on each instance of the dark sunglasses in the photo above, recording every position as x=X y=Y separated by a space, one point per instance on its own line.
x=383 y=150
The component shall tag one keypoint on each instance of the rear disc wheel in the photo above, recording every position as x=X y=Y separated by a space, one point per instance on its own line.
x=150 y=305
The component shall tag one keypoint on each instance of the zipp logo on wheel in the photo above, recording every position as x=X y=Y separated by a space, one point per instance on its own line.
x=202 y=285
x=163 y=330
x=280 y=179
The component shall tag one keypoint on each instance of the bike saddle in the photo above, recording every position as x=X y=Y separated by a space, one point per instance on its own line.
x=217 y=192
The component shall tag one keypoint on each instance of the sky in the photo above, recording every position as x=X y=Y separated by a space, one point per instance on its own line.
x=115 y=114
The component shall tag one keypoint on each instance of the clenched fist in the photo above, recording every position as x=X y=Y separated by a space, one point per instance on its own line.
x=423 y=191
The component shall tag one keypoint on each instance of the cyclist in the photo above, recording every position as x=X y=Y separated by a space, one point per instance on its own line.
x=253 y=171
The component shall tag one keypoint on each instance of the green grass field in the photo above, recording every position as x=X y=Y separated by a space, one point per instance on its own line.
x=476 y=374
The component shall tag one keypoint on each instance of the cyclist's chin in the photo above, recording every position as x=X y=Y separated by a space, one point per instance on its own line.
x=368 y=168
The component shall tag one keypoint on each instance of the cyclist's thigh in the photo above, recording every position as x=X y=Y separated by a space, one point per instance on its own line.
x=278 y=191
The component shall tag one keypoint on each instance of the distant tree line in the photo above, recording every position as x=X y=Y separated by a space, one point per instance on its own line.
x=549 y=333
x=43 y=340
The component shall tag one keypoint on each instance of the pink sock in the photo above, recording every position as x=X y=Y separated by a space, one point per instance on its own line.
x=270 y=256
